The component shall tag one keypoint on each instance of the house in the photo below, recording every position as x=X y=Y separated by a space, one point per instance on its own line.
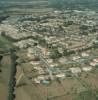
x=46 y=82
x=45 y=51
x=41 y=71
x=60 y=50
x=84 y=54
x=75 y=70
x=57 y=12
x=53 y=65
x=95 y=60
x=60 y=75
x=37 y=67
x=41 y=77
x=35 y=62
x=93 y=63
x=30 y=50
x=49 y=60
x=63 y=60
x=36 y=80
x=86 y=69
x=76 y=57
x=31 y=56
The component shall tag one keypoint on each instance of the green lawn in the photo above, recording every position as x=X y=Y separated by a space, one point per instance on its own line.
x=5 y=43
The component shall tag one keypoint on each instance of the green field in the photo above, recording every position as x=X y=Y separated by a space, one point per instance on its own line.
x=5 y=43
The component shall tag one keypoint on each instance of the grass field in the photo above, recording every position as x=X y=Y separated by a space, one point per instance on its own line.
x=5 y=43
x=4 y=77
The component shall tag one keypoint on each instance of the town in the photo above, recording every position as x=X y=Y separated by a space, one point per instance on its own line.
x=53 y=49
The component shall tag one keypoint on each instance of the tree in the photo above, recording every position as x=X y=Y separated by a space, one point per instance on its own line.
x=42 y=42
x=66 y=53
x=12 y=81
x=55 y=54
x=83 y=27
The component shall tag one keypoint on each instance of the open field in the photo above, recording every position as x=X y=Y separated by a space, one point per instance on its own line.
x=5 y=43
x=67 y=89
x=4 y=77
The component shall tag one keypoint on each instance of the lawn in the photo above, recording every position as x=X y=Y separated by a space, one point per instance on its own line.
x=5 y=43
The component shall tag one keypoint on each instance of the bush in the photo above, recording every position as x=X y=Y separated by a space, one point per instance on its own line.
x=55 y=54
x=12 y=81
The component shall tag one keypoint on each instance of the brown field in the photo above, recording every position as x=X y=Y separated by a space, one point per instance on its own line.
x=68 y=89
x=4 y=77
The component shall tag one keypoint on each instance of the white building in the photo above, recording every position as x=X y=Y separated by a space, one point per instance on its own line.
x=49 y=60
x=75 y=70
x=60 y=75
x=84 y=54
x=93 y=63
x=62 y=60
x=86 y=69
x=96 y=60
x=76 y=58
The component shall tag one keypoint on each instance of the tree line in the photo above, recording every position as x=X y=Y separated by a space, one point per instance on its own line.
x=12 y=80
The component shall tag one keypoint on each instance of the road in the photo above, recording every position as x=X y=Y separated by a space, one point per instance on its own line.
x=40 y=55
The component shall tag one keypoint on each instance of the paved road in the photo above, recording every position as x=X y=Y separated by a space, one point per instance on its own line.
x=38 y=52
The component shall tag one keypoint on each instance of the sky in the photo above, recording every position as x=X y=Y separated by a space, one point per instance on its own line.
x=15 y=0
x=39 y=0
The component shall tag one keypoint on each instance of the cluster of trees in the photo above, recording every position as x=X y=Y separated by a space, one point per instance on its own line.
x=66 y=24
x=66 y=53
x=40 y=40
x=3 y=18
x=55 y=53
x=85 y=30
x=1 y=57
x=84 y=27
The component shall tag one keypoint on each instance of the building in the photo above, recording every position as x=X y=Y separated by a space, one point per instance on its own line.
x=84 y=54
x=60 y=75
x=75 y=70
x=76 y=57
x=86 y=69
